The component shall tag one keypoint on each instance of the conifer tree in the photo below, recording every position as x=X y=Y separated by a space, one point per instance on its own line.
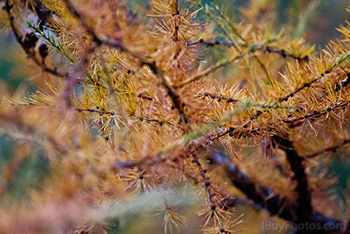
x=171 y=106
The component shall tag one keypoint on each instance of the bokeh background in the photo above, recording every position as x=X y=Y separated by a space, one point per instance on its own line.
x=19 y=77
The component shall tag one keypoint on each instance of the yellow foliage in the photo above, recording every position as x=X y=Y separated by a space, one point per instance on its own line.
x=135 y=105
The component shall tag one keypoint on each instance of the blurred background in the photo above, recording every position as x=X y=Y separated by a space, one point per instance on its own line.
x=17 y=76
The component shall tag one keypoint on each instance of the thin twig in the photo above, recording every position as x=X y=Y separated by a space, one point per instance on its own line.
x=210 y=70
x=332 y=148
x=316 y=113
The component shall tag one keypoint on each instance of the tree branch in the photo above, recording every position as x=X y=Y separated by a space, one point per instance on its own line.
x=284 y=208
x=304 y=207
x=265 y=49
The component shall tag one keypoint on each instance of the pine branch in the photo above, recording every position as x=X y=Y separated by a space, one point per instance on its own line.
x=296 y=162
x=211 y=70
x=112 y=113
x=332 y=148
x=268 y=200
x=174 y=96
x=266 y=49
x=50 y=40
x=340 y=60
x=293 y=122
x=208 y=189
x=256 y=104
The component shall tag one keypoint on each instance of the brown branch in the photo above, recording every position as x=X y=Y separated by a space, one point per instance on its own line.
x=101 y=112
x=265 y=49
x=210 y=70
x=174 y=96
x=219 y=98
x=332 y=148
x=297 y=90
x=228 y=100
x=291 y=121
x=265 y=198
x=283 y=53
x=208 y=187
x=296 y=162
x=159 y=122
x=140 y=118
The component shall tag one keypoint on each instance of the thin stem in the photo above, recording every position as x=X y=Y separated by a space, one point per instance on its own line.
x=210 y=70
